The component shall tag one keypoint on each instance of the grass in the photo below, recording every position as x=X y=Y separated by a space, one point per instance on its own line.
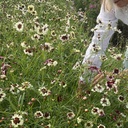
x=39 y=76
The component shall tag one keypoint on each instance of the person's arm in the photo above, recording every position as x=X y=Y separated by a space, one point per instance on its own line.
x=103 y=31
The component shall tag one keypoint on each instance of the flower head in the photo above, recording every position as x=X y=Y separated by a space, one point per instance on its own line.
x=70 y=115
x=88 y=124
x=121 y=98
x=17 y=120
x=31 y=8
x=29 y=51
x=47 y=47
x=2 y=95
x=101 y=126
x=64 y=37
x=95 y=110
x=79 y=120
x=46 y=115
x=105 y=102
x=25 y=85
x=99 y=88
x=19 y=26
x=44 y=91
x=50 y=62
x=14 y=88
x=96 y=48
x=38 y=114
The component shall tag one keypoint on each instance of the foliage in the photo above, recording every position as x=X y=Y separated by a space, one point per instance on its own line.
x=42 y=46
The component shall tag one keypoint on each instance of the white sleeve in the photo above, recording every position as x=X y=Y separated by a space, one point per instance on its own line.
x=103 y=31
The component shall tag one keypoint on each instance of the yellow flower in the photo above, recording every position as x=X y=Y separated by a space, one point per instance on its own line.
x=34 y=13
x=31 y=8
x=19 y=26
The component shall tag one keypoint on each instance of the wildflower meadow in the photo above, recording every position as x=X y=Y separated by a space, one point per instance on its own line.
x=42 y=45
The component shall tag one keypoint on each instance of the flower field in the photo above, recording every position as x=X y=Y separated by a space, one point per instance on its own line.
x=42 y=45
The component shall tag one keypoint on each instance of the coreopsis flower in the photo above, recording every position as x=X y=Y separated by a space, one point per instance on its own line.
x=115 y=85
x=37 y=28
x=95 y=48
x=63 y=84
x=93 y=69
x=117 y=30
x=67 y=28
x=3 y=76
x=28 y=51
x=88 y=124
x=4 y=68
x=14 y=88
x=111 y=50
x=94 y=29
x=53 y=33
x=99 y=88
x=38 y=114
x=19 y=26
x=23 y=113
x=44 y=91
x=105 y=102
x=76 y=66
x=95 y=110
x=72 y=35
x=123 y=115
x=110 y=78
x=80 y=13
x=103 y=58
x=70 y=115
x=25 y=85
x=59 y=98
x=126 y=105
x=101 y=112
x=9 y=16
x=40 y=1
x=35 y=37
x=11 y=44
x=119 y=125
x=64 y=37
x=47 y=126
x=110 y=84
x=21 y=7
x=73 y=27
x=116 y=71
x=45 y=29
x=121 y=98
x=47 y=47
x=50 y=62
x=79 y=120
x=34 y=13
x=109 y=26
x=36 y=20
x=31 y=8
x=101 y=126
x=2 y=95
x=76 y=50
x=117 y=56
x=24 y=45
x=17 y=120
x=46 y=115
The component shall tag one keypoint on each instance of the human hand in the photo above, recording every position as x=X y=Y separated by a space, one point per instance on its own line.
x=121 y=3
